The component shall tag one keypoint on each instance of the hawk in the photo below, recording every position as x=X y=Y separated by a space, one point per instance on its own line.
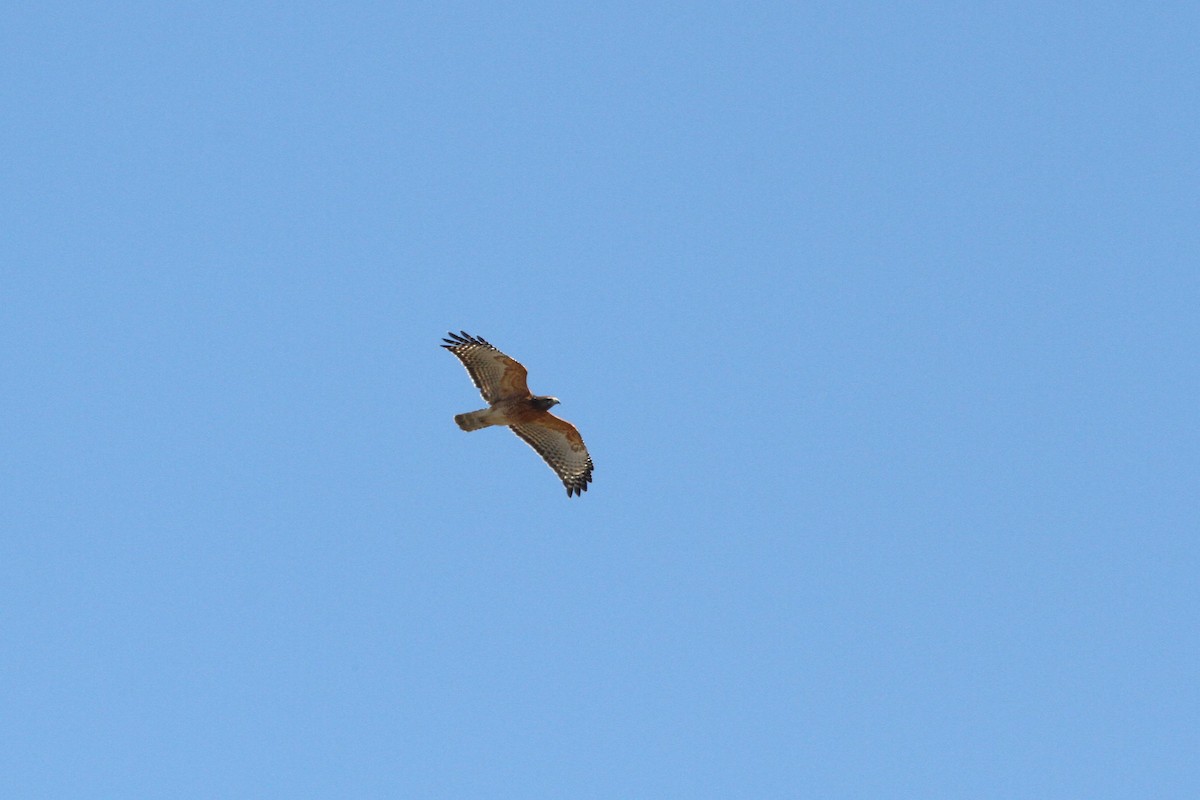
x=501 y=381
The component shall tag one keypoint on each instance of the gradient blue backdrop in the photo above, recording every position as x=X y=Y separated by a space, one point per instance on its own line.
x=880 y=321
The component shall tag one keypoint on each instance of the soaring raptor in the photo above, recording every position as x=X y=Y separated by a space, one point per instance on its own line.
x=501 y=381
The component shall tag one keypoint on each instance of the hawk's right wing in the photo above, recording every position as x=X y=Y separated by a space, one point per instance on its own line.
x=497 y=376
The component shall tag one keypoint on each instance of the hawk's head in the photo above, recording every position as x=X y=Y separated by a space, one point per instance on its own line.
x=544 y=403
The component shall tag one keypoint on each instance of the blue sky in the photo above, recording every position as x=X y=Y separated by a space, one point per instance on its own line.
x=879 y=321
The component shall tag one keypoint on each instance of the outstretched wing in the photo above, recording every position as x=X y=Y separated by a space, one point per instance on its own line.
x=561 y=446
x=497 y=376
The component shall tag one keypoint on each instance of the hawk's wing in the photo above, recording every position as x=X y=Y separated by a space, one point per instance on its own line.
x=497 y=376
x=561 y=446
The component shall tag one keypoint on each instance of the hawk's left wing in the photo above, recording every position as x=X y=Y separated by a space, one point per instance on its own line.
x=561 y=446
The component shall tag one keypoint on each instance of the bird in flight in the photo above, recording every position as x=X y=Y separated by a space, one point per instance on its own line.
x=501 y=381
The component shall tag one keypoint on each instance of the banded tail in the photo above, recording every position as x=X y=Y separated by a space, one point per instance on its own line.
x=474 y=420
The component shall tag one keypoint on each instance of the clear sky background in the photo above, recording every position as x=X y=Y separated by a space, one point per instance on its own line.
x=880 y=321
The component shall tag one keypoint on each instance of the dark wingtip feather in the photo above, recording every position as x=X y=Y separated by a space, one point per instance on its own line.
x=579 y=485
x=457 y=339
